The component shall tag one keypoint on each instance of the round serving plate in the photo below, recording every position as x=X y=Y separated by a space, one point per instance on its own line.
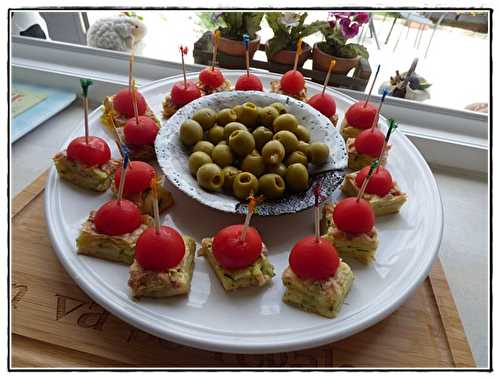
x=173 y=156
x=256 y=320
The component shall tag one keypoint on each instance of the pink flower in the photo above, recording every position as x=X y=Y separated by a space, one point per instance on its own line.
x=340 y=14
x=362 y=17
x=350 y=31
x=332 y=23
x=344 y=22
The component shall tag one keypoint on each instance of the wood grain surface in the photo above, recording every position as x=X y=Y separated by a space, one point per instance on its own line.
x=55 y=324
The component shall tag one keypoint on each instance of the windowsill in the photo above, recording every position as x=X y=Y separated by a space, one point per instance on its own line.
x=441 y=134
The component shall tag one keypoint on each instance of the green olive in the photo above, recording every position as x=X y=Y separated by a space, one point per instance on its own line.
x=297 y=157
x=271 y=186
x=190 y=132
x=248 y=114
x=273 y=152
x=288 y=140
x=267 y=116
x=196 y=160
x=209 y=176
x=302 y=133
x=297 y=177
x=216 y=134
x=204 y=146
x=222 y=155
x=205 y=117
x=303 y=146
x=262 y=135
x=241 y=142
x=279 y=107
x=245 y=183
x=285 y=122
x=253 y=163
x=229 y=173
x=231 y=127
x=225 y=116
x=318 y=153
x=279 y=169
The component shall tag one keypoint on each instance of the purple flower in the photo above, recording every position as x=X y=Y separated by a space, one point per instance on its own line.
x=344 y=22
x=340 y=14
x=362 y=17
x=332 y=23
x=350 y=31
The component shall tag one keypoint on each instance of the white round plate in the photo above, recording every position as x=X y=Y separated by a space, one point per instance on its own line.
x=256 y=320
x=173 y=156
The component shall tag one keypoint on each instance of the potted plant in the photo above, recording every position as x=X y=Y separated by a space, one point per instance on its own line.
x=234 y=26
x=337 y=31
x=288 y=28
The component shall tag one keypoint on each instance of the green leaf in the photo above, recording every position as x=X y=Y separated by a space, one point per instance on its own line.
x=310 y=29
x=277 y=43
x=251 y=23
x=357 y=49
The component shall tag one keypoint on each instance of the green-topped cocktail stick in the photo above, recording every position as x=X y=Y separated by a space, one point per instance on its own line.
x=371 y=88
x=392 y=125
x=85 y=84
x=373 y=166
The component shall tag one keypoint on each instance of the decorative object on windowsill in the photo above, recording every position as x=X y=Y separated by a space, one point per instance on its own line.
x=288 y=28
x=119 y=33
x=29 y=24
x=340 y=27
x=235 y=25
x=407 y=85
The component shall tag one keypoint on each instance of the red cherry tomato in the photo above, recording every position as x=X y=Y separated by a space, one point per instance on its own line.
x=292 y=82
x=161 y=251
x=316 y=260
x=117 y=217
x=94 y=153
x=181 y=95
x=323 y=103
x=249 y=82
x=137 y=179
x=231 y=252
x=211 y=78
x=361 y=117
x=380 y=183
x=353 y=216
x=370 y=142
x=142 y=134
x=122 y=102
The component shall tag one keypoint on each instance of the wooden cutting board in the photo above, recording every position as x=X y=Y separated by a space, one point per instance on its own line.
x=55 y=324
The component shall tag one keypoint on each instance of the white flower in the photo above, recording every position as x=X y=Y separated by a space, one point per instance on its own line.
x=290 y=19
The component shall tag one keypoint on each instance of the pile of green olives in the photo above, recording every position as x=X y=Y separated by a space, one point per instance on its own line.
x=250 y=149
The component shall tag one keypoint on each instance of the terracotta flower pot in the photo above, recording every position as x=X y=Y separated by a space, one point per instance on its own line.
x=287 y=57
x=321 y=61
x=236 y=48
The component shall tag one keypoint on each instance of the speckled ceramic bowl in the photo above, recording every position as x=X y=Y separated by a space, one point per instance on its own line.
x=173 y=156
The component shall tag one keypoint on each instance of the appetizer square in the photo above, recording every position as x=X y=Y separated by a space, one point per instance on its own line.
x=112 y=248
x=169 y=107
x=259 y=273
x=276 y=88
x=357 y=161
x=144 y=153
x=348 y=131
x=145 y=200
x=205 y=90
x=323 y=297
x=390 y=203
x=120 y=119
x=361 y=246
x=172 y=282
x=96 y=178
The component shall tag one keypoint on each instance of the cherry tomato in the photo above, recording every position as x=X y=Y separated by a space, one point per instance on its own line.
x=353 y=216
x=249 y=82
x=117 y=217
x=316 y=260
x=159 y=251
x=94 y=153
x=323 y=103
x=137 y=179
x=181 y=95
x=211 y=78
x=142 y=134
x=370 y=142
x=380 y=183
x=231 y=252
x=292 y=82
x=361 y=117
x=122 y=102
